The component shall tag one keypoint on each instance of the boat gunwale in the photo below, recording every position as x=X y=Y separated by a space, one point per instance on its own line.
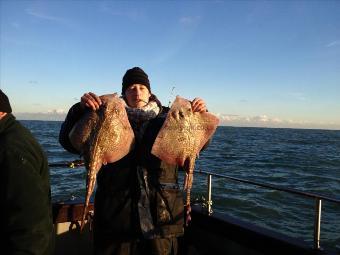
x=226 y=227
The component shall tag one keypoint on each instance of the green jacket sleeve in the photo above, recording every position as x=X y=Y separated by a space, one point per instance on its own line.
x=28 y=219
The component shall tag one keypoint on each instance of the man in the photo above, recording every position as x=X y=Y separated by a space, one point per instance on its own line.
x=138 y=203
x=26 y=212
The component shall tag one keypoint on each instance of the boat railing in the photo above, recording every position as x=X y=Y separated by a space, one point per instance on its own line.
x=318 y=198
x=71 y=164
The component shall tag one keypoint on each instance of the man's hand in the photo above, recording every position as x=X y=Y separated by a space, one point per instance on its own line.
x=90 y=100
x=198 y=105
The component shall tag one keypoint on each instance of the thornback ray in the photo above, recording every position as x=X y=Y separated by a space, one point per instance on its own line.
x=181 y=138
x=102 y=136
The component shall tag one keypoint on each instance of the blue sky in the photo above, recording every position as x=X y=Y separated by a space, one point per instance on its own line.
x=255 y=63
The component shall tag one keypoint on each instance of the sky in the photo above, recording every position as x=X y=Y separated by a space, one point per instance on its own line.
x=255 y=63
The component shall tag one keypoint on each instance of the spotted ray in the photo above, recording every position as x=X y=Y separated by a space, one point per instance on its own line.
x=181 y=138
x=102 y=136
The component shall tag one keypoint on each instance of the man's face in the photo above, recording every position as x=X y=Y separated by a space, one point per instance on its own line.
x=2 y=115
x=137 y=95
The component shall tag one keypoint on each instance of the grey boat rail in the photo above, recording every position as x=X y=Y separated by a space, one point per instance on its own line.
x=318 y=198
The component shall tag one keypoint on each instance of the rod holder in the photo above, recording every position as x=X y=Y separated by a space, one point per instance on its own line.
x=209 y=201
x=317 y=223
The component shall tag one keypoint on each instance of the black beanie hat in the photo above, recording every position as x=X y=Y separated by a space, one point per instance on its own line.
x=4 y=103
x=135 y=75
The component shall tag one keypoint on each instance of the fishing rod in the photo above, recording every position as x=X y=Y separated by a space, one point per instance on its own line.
x=72 y=164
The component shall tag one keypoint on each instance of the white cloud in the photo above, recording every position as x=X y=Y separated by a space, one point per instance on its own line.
x=267 y=121
x=334 y=43
x=54 y=115
x=189 y=20
x=277 y=120
x=261 y=118
x=15 y=25
x=43 y=16
x=227 y=117
x=57 y=111
x=298 y=96
x=132 y=14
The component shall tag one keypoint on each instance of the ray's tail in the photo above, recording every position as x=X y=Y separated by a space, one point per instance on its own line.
x=189 y=177
x=91 y=180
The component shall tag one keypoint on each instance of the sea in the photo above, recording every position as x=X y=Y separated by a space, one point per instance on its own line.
x=303 y=159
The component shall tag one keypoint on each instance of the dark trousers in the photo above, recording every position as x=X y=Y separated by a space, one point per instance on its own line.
x=164 y=246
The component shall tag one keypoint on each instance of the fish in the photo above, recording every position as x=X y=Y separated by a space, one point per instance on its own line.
x=102 y=136
x=182 y=137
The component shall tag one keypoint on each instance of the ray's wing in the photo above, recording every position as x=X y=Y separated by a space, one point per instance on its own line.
x=183 y=134
x=81 y=131
x=116 y=134
x=108 y=126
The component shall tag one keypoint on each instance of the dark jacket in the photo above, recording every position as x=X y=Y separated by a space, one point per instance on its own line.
x=26 y=214
x=137 y=195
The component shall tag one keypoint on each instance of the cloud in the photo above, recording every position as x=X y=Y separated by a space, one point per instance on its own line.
x=298 y=96
x=15 y=25
x=189 y=20
x=261 y=118
x=225 y=118
x=333 y=44
x=20 y=42
x=267 y=121
x=43 y=16
x=50 y=115
x=132 y=14
x=33 y=82
x=56 y=111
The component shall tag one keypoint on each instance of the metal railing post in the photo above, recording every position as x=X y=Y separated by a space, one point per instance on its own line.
x=209 y=201
x=317 y=223
x=318 y=199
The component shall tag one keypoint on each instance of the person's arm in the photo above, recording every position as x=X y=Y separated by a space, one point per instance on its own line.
x=27 y=224
x=73 y=115
x=89 y=101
